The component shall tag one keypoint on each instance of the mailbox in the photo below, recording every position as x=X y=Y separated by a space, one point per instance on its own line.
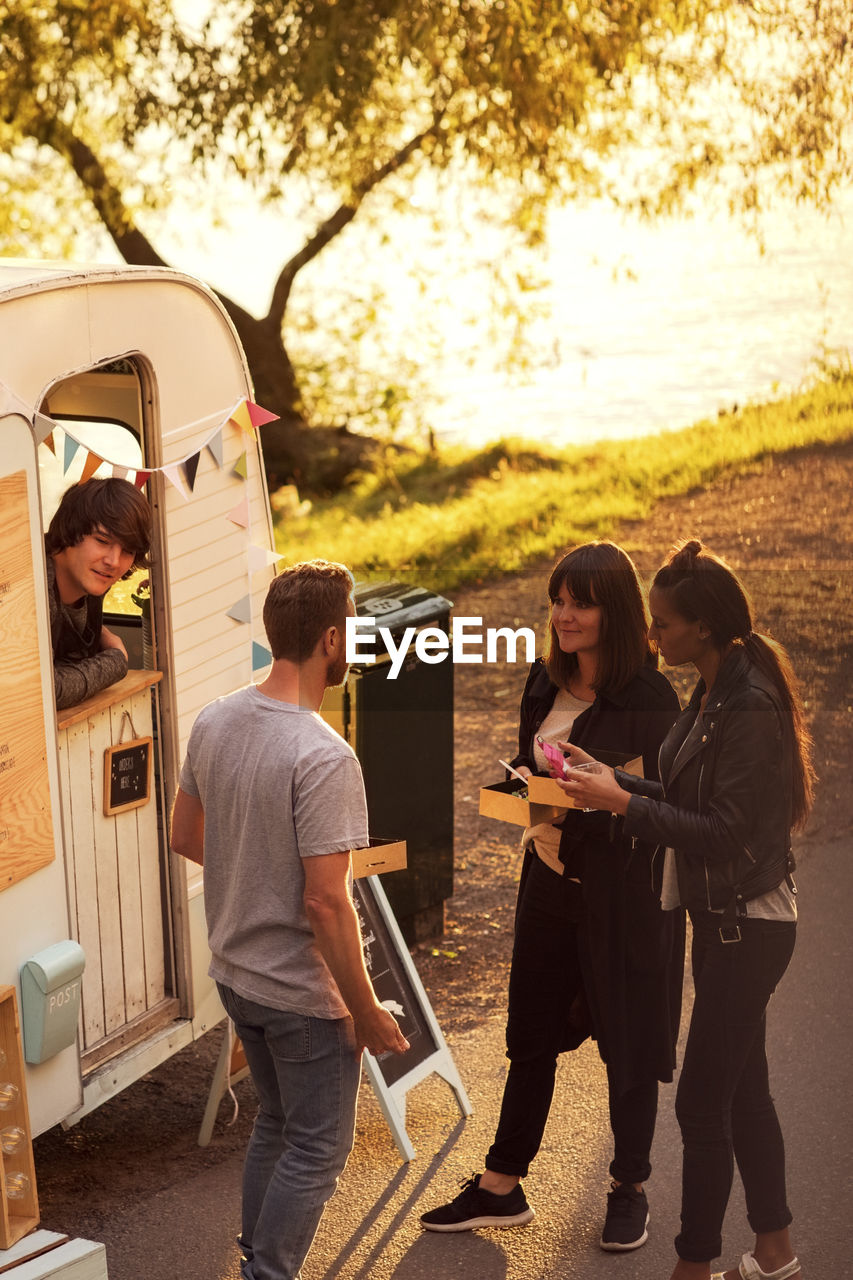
x=50 y=999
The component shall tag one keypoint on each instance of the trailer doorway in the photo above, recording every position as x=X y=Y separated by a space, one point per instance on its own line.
x=117 y=864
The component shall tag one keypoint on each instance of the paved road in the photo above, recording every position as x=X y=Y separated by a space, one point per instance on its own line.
x=371 y=1229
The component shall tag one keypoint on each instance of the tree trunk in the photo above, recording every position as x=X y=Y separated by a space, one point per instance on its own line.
x=317 y=458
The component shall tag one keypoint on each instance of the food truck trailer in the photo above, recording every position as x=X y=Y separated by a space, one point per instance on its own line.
x=135 y=372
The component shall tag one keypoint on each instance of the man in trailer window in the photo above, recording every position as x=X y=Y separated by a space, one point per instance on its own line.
x=271 y=802
x=101 y=532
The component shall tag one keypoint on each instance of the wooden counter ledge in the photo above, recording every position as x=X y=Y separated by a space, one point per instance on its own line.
x=134 y=682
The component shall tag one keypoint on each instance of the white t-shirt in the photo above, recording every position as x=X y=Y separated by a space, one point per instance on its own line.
x=277 y=785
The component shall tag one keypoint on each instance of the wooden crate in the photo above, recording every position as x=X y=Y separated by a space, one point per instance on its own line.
x=18 y=1214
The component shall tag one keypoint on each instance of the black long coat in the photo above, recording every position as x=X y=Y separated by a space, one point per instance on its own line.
x=632 y=952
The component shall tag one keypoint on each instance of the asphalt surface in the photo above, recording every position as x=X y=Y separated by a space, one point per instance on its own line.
x=371 y=1227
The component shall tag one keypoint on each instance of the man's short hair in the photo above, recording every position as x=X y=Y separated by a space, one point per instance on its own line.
x=303 y=602
x=114 y=505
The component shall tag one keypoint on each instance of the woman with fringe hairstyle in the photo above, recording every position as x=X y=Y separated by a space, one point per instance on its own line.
x=593 y=953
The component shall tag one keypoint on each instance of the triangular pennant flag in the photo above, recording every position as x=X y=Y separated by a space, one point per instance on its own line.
x=141 y=479
x=240 y=514
x=71 y=447
x=240 y=466
x=261 y=657
x=242 y=610
x=240 y=418
x=119 y=473
x=42 y=426
x=49 y=441
x=214 y=447
x=190 y=467
x=258 y=416
x=90 y=466
x=173 y=475
x=261 y=558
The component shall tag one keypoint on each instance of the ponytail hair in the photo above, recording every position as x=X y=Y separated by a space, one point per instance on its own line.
x=703 y=587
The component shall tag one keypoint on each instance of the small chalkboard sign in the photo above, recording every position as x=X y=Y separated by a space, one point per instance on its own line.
x=127 y=775
x=399 y=989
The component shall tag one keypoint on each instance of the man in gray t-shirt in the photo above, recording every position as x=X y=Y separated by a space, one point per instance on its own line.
x=271 y=801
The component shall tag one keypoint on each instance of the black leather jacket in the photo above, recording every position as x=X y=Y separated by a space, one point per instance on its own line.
x=724 y=801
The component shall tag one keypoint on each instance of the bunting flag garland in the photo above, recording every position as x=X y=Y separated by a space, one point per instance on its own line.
x=90 y=466
x=259 y=417
x=71 y=447
x=240 y=514
x=120 y=473
x=190 y=467
x=261 y=656
x=42 y=427
x=241 y=417
x=241 y=610
x=214 y=447
x=261 y=558
x=173 y=475
x=245 y=416
x=240 y=467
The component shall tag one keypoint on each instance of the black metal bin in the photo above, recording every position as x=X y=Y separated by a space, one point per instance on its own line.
x=402 y=732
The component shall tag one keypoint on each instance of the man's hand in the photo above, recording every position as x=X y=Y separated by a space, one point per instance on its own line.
x=334 y=922
x=109 y=640
x=595 y=790
x=378 y=1032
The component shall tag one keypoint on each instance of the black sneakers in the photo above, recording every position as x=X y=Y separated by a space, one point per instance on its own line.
x=476 y=1208
x=627 y=1218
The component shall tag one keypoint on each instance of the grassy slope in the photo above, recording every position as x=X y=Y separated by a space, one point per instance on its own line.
x=481 y=514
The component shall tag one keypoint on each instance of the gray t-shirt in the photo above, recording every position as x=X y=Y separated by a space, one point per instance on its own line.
x=277 y=784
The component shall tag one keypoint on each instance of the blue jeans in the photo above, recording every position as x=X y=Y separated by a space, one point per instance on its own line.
x=723 y=1103
x=306 y=1074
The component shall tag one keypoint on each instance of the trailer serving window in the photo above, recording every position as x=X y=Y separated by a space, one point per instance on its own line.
x=98 y=410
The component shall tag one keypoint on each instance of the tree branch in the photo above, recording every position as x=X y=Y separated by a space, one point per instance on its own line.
x=108 y=202
x=133 y=245
x=340 y=219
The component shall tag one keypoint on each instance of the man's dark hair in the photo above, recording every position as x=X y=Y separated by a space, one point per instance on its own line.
x=114 y=505
x=303 y=602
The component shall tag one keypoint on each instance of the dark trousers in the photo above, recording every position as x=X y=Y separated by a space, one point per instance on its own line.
x=545 y=983
x=723 y=1103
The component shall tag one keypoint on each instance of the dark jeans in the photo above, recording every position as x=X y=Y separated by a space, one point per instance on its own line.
x=545 y=982
x=723 y=1103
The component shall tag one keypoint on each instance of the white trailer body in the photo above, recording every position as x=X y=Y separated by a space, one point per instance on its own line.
x=153 y=351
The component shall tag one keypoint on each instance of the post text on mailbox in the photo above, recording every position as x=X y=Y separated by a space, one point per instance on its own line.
x=432 y=644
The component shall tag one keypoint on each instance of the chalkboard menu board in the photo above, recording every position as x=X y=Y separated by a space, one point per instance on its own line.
x=127 y=775
x=398 y=987
x=394 y=987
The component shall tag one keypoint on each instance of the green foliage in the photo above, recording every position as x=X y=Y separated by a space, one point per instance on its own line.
x=490 y=513
x=332 y=109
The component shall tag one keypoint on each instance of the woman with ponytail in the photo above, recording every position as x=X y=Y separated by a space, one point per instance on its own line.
x=735 y=779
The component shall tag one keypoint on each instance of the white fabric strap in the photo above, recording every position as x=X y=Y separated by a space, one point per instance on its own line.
x=750 y=1270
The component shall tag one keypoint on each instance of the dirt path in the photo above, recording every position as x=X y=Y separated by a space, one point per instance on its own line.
x=789 y=527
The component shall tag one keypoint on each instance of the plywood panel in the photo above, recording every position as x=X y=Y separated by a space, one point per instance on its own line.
x=26 y=821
